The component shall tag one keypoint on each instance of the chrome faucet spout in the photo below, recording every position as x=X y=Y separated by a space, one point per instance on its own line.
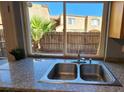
x=90 y=60
x=79 y=56
x=80 y=60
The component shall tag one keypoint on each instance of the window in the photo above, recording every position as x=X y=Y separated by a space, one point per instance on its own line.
x=95 y=22
x=81 y=22
x=2 y=40
x=82 y=36
x=71 y=21
x=46 y=22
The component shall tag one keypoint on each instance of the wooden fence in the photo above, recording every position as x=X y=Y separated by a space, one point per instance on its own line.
x=87 y=42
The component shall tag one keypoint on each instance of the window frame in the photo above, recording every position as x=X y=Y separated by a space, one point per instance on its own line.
x=71 y=21
x=95 y=20
x=2 y=39
x=65 y=54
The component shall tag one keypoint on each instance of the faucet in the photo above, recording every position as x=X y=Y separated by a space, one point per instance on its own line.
x=83 y=59
x=79 y=57
x=90 y=60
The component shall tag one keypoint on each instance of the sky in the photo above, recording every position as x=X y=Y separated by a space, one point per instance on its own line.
x=82 y=9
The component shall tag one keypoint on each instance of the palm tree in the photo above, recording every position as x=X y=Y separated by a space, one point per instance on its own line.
x=39 y=27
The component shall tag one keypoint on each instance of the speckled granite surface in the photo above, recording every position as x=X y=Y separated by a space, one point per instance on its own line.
x=25 y=74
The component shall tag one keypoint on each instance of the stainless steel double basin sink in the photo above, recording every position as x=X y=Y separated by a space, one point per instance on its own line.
x=83 y=73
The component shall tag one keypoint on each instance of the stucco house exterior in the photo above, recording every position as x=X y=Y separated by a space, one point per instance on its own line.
x=76 y=23
x=39 y=10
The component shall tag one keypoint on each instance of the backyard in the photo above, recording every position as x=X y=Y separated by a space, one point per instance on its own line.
x=51 y=34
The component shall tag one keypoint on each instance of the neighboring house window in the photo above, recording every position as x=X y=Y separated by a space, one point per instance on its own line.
x=95 y=22
x=71 y=21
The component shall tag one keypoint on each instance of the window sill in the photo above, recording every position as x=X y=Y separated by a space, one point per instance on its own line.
x=74 y=56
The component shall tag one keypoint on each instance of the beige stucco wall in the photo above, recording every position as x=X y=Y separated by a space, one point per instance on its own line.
x=39 y=10
x=60 y=27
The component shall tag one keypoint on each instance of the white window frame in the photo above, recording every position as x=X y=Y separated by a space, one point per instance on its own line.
x=65 y=54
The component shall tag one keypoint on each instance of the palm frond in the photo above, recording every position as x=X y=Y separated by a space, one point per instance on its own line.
x=40 y=26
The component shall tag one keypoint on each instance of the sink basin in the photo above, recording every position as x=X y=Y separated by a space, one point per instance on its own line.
x=94 y=72
x=63 y=71
x=84 y=73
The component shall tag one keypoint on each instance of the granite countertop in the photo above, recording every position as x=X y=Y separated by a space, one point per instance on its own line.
x=24 y=76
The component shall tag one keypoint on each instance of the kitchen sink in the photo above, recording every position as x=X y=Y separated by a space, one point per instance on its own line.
x=63 y=72
x=94 y=72
x=84 y=73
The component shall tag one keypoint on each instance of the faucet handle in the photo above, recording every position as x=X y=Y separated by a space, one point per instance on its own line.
x=83 y=59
